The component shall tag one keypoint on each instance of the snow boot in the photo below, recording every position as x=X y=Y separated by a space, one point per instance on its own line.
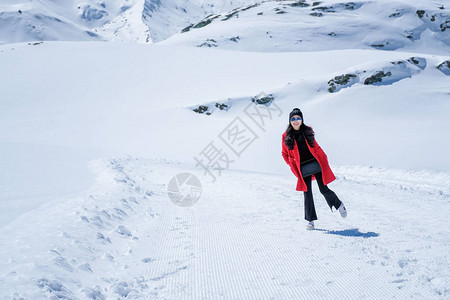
x=310 y=225
x=343 y=210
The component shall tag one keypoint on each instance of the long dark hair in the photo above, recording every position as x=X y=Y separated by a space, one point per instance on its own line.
x=305 y=130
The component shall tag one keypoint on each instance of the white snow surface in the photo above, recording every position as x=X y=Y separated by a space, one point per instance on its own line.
x=244 y=238
x=143 y=21
x=324 y=25
x=250 y=25
x=65 y=235
x=91 y=133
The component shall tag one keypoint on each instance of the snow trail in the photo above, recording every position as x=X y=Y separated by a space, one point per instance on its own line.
x=125 y=238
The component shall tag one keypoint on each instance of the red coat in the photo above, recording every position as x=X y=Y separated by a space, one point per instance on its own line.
x=292 y=158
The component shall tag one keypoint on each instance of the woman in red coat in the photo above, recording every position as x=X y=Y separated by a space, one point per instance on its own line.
x=308 y=162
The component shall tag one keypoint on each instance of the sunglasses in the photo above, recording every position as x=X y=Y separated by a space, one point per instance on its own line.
x=298 y=119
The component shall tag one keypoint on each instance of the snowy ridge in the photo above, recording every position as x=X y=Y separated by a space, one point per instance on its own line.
x=128 y=26
x=315 y=26
x=375 y=73
x=142 y=21
x=31 y=25
x=46 y=20
x=124 y=238
x=248 y=25
x=166 y=18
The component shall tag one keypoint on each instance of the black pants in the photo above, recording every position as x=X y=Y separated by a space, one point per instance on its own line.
x=330 y=196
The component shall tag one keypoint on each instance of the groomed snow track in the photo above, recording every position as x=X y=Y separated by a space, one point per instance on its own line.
x=244 y=239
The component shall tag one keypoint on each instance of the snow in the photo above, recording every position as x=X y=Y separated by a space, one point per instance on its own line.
x=166 y=18
x=276 y=26
x=47 y=20
x=93 y=130
x=127 y=26
x=244 y=238
x=143 y=21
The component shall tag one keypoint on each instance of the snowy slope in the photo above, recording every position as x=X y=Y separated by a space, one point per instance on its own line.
x=131 y=104
x=91 y=133
x=30 y=21
x=124 y=239
x=324 y=25
x=165 y=18
x=41 y=20
x=249 y=25
x=142 y=21
x=127 y=26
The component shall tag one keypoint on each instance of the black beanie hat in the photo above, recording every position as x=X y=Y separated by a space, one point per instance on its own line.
x=295 y=111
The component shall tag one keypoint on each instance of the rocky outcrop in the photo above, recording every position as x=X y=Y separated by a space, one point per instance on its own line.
x=444 y=67
x=386 y=74
x=201 y=24
x=263 y=98
x=90 y=13
x=202 y=109
x=209 y=108
x=342 y=81
x=208 y=43
x=377 y=77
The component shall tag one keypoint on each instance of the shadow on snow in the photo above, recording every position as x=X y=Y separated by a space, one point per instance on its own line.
x=351 y=232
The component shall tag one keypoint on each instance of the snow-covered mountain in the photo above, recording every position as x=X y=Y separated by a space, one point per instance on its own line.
x=40 y=20
x=124 y=20
x=249 y=25
x=166 y=18
x=324 y=25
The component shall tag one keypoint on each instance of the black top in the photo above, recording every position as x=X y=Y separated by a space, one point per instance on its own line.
x=303 y=150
